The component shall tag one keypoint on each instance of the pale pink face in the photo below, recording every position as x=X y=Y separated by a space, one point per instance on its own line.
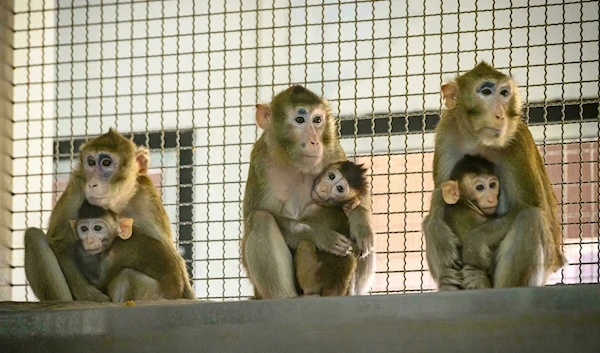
x=331 y=188
x=483 y=190
x=99 y=169
x=306 y=126
x=95 y=235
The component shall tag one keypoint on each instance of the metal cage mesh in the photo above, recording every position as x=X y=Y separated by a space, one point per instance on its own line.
x=182 y=77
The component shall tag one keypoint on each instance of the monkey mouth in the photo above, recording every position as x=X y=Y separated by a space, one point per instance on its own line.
x=96 y=200
x=316 y=197
x=311 y=156
x=94 y=251
x=494 y=132
x=489 y=210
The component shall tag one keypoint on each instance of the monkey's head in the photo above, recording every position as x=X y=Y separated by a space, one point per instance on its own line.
x=340 y=183
x=96 y=228
x=298 y=127
x=111 y=164
x=489 y=103
x=473 y=180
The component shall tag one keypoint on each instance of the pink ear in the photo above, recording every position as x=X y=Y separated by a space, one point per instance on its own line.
x=449 y=92
x=450 y=192
x=142 y=158
x=263 y=116
x=126 y=225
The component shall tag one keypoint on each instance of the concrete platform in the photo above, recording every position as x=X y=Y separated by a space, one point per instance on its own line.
x=551 y=319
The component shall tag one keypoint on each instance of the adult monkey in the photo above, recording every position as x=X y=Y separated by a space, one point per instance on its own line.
x=483 y=118
x=111 y=174
x=298 y=142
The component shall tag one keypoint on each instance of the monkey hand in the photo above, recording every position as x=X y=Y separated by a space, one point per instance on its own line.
x=89 y=293
x=450 y=280
x=333 y=242
x=474 y=278
x=363 y=245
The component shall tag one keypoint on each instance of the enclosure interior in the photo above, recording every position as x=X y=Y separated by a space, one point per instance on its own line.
x=183 y=78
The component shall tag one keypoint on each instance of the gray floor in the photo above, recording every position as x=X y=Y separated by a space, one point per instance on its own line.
x=550 y=319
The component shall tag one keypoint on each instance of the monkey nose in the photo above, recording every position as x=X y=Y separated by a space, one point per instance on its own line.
x=93 y=185
x=498 y=117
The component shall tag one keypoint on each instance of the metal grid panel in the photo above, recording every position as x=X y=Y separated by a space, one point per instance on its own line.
x=183 y=77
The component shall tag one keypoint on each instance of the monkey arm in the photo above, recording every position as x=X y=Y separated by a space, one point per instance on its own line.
x=324 y=238
x=442 y=252
x=359 y=222
x=479 y=242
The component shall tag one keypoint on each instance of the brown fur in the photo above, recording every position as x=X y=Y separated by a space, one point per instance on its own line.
x=278 y=180
x=528 y=222
x=322 y=273
x=143 y=205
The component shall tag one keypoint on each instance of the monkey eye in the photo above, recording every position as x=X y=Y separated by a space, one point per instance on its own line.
x=106 y=162
x=339 y=188
x=84 y=228
x=317 y=119
x=479 y=187
x=97 y=228
x=91 y=162
x=299 y=119
x=486 y=91
x=504 y=92
x=331 y=176
x=492 y=185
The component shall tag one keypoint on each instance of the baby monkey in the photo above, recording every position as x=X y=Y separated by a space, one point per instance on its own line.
x=472 y=195
x=319 y=272
x=115 y=257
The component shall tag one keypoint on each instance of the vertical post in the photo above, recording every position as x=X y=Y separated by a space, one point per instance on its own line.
x=6 y=142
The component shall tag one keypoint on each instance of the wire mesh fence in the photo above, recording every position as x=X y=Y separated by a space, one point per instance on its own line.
x=183 y=77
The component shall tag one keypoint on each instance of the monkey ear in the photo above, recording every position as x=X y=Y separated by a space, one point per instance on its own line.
x=263 y=115
x=450 y=192
x=125 y=225
x=73 y=224
x=142 y=158
x=449 y=93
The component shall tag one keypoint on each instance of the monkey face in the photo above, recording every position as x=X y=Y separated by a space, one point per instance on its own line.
x=331 y=188
x=494 y=96
x=487 y=100
x=95 y=235
x=99 y=168
x=304 y=129
x=483 y=191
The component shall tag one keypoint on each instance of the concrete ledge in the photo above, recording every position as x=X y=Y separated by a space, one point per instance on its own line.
x=550 y=319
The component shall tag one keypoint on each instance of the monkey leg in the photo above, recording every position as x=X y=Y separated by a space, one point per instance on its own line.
x=520 y=257
x=443 y=257
x=268 y=259
x=337 y=273
x=307 y=267
x=131 y=284
x=42 y=269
